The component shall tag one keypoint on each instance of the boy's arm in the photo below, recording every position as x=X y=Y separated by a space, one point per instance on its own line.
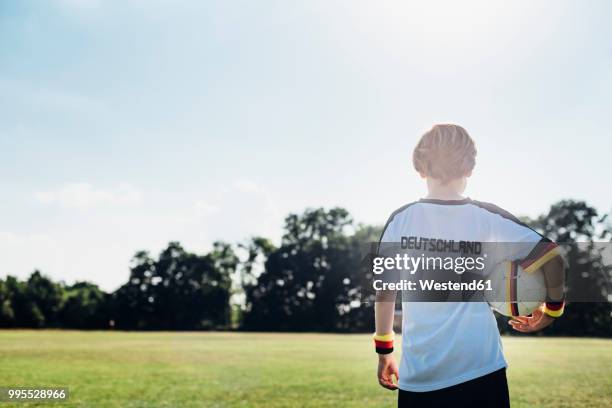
x=554 y=275
x=543 y=255
x=546 y=257
x=384 y=312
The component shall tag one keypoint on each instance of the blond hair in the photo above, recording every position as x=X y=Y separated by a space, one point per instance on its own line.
x=445 y=152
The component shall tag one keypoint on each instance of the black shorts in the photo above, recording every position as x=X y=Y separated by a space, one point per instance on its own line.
x=487 y=391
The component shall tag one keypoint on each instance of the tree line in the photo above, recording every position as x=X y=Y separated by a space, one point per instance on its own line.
x=313 y=280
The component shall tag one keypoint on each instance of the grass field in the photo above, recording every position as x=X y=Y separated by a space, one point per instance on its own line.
x=115 y=369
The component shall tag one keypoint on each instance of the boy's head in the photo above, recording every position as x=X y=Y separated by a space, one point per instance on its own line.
x=445 y=153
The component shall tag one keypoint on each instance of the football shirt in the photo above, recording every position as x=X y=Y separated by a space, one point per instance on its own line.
x=447 y=343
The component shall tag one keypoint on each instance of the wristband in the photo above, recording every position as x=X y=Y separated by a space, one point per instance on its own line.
x=384 y=343
x=554 y=309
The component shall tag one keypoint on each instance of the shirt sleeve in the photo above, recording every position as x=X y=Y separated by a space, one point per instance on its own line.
x=387 y=238
x=516 y=241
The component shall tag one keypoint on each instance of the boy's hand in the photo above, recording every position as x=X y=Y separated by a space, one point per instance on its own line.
x=537 y=321
x=387 y=368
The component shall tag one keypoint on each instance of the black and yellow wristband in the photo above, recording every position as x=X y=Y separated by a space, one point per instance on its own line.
x=554 y=309
x=384 y=343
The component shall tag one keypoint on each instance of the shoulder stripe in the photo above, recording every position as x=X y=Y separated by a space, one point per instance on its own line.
x=492 y=208
x=393 y=214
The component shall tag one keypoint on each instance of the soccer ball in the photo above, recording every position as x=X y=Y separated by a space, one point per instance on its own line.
x=515 y=292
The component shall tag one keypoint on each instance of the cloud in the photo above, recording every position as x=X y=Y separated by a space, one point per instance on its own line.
x=245 y=186
x=74 y=245
x=84 y=195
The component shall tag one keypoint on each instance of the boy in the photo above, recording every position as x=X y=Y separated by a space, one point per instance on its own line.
x=451 y=352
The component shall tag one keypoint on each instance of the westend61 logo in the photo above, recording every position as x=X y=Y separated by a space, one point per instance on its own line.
x=447 y=256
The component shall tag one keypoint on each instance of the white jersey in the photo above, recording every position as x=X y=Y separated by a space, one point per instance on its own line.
x=447 y=343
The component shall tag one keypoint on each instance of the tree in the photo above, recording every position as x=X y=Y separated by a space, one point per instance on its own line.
x=7 y=315
x=46 y=296
x=359 y=310
x=85 y=306
x=132 y=302
x=21 y=310
x=580 y=231
x=178 y=291
x=306 y=282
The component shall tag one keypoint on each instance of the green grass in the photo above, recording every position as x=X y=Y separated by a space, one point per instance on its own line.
x=115 y=369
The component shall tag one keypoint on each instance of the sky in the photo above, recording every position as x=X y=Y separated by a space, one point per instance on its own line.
x=128 y=124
